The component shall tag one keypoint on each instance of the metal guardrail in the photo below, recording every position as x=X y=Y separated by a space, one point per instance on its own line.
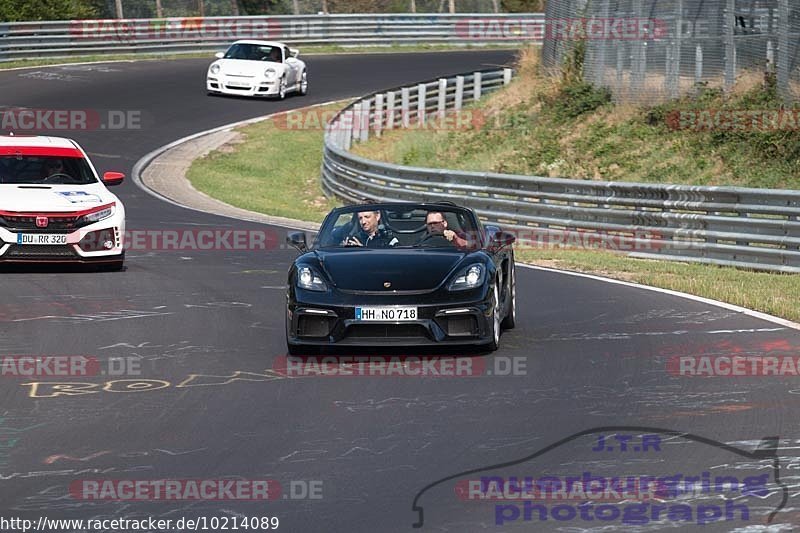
x=731 y=226
x=26 y=40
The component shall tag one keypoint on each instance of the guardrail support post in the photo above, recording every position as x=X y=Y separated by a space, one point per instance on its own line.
x=390 y=110
x=441 y=102
x=356 y=129
x=459 y=93
x=378 y=114
x=405 y=106
x=476 y=86
x=507 y=76
x=421 y=103
x=347 y=129
x=364 y=122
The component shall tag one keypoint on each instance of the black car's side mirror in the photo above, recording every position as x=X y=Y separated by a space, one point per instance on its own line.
x=298 y=240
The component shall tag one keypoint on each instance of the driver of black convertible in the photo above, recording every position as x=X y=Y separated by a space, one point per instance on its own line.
x=370 y=233
x=438 y=234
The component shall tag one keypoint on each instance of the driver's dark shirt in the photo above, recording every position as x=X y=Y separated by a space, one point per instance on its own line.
x=381 y=239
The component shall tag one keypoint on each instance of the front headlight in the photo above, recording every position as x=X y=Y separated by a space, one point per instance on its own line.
x=469 y=278
x=310 y=280
x=98 y=214
x=270 y=73
x=214 y=69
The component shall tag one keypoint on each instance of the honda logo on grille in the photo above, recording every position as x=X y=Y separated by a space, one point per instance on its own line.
x=42 y=222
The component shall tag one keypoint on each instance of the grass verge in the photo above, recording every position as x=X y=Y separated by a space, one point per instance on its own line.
x=268 y=169
x=547 y=126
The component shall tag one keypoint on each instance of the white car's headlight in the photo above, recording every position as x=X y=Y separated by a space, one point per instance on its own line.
x=469 y=278
x=270 y=73
x=214 y=69
x=308 y=279
x=98 y=214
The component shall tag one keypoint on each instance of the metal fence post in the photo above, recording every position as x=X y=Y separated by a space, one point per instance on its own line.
x=730 y=44
x=422 y=96
x=639 y=67
x=674 y=67
x=476 y=86
x=405 y=106
x=364 y=120
x=770 y=58
x=347 y=129
x=441 y=101
x=390 y=110
x=698 y=65
x=459 y=102
x=783 y=49
x=356 y=122
x=378 y=114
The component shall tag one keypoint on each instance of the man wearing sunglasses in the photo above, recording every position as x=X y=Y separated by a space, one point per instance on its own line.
x=438 y=233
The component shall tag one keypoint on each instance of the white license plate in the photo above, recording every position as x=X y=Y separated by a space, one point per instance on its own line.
x=40 y=238
x=239 y=84
x=392 y=314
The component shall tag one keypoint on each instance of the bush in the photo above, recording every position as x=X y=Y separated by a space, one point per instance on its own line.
x=577 y=98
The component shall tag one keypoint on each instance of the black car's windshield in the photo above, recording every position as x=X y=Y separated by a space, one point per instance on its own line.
x=393 y=226
x=45 y=170
x=254 y=52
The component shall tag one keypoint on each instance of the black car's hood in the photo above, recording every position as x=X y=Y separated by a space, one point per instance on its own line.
x=405 y=269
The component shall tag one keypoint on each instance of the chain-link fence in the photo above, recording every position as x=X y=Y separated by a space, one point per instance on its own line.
x=227 y=8
x=649 y=50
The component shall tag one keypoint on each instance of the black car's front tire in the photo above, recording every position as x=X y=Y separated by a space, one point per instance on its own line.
x=495 y=324
x=510 y=321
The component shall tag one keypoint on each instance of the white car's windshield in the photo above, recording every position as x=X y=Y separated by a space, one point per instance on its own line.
x=254 y=52
x=45 y=170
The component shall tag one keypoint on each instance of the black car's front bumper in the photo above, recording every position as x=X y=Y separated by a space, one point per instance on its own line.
x=313 y=319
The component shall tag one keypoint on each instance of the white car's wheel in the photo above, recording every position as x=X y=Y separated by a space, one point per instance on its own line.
x=304 y=84
x=282 y=88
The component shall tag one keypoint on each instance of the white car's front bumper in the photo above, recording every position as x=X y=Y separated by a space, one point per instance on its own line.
x=97 y=242
x=241 y=86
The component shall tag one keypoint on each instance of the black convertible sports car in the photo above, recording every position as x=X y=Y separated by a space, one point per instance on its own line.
x=400 y=274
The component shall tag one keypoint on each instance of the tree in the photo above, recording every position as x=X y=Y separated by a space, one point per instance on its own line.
x=16 y=10
x=523 y=6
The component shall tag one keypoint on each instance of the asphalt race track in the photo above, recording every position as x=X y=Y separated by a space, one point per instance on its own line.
x=207 y=329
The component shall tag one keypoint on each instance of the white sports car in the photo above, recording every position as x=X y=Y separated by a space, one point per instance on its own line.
x=257 y=68
x=53 y=206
